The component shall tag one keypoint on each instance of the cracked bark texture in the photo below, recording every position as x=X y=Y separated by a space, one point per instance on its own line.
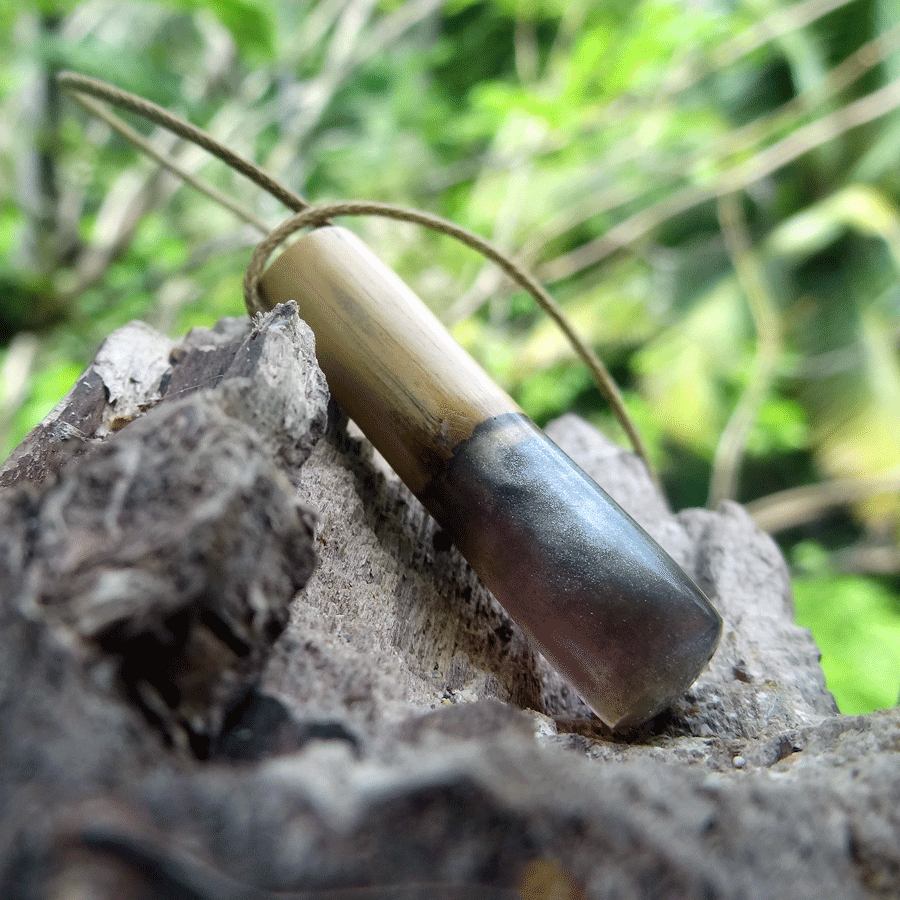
x=188 y=709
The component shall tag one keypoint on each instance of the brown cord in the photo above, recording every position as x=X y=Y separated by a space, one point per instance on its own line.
x=76 y=83
x=319 y=215
x=127 y=132
x=312 y=216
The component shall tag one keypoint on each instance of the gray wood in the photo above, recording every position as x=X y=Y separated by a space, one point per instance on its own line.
x=400 y=738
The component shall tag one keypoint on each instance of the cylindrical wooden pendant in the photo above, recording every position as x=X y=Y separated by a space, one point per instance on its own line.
x=597 y=595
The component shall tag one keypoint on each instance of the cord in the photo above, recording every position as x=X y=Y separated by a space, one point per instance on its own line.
x=307 y=215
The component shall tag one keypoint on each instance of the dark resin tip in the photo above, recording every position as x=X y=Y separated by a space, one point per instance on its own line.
x=606 y=605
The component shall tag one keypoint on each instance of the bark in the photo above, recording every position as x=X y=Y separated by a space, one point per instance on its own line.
x=188 y=710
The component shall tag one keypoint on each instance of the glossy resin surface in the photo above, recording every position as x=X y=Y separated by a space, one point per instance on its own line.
x=601 y=599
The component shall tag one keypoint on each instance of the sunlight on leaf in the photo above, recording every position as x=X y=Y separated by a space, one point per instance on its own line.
x=780 y=426
x=864 y=439
x=614 y=313
x=856 y=622
x=858 y=206
x=681 y=369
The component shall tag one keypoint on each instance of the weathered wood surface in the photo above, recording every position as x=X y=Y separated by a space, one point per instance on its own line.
x=159 y=739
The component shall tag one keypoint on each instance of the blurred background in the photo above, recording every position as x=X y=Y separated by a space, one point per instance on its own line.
x=711 y=188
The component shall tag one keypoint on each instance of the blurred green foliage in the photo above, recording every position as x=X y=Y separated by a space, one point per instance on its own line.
x=849 y=611
x=711 y=191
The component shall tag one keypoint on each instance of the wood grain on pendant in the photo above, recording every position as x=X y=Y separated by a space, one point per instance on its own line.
x=390 y=363
x=598 y=596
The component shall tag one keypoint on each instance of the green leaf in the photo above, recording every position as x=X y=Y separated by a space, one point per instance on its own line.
x=856 y=623
x=251 y=23
x=684 y=369
x=780 y=426
x=856 y=429
x=860 y=207
x=615 y=312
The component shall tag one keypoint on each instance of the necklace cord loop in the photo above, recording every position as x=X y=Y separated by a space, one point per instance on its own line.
x=307 y=215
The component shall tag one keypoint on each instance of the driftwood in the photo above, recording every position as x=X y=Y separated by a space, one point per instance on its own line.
x=189 y=710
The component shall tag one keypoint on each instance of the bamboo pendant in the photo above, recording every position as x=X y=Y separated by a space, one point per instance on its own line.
x=596 y=594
